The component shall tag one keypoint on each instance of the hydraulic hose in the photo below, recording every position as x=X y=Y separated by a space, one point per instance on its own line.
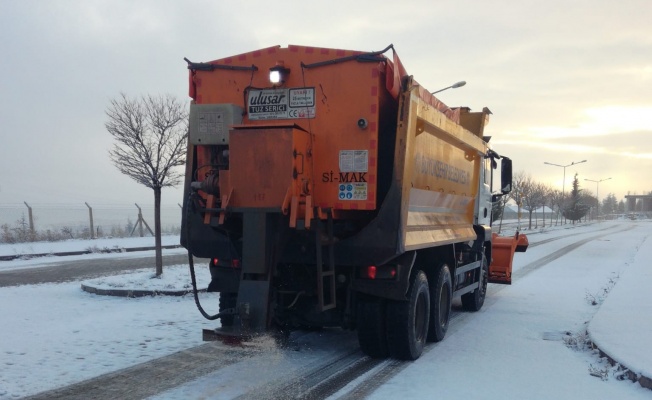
x=191 y=263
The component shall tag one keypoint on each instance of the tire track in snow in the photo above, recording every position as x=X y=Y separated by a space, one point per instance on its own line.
x=152 y=377
x=527 y=269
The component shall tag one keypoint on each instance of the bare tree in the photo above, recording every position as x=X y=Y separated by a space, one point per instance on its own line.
x=544 y=193
x=533 y=197
x=521 y=189
x=554 y=197
x=498 y=210
x=538 y=201
x=150 y=135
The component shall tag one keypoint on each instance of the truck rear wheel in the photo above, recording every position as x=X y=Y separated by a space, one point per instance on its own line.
x=407 y=321
x=371 y=326
x=441 y=297
x=473 y=301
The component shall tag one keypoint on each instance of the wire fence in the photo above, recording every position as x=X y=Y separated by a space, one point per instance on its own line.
x=38 y=221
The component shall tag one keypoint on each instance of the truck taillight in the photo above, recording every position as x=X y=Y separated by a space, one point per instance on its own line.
x=379 y=272
x=235 y=263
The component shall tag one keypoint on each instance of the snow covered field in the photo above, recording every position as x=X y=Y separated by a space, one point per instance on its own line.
x=515 y=347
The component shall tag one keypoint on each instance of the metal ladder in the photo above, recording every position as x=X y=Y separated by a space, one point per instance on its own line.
x=325 y=271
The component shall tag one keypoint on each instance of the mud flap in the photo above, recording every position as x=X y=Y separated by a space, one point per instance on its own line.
x=261 y=247
x=502 y=256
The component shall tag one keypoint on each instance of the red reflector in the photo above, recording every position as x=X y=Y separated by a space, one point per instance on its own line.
x=235 y=263
x=215 y=261
x=371 y=272
x=393 y=272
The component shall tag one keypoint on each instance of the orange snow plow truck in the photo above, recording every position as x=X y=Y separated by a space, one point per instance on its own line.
x=329 y=189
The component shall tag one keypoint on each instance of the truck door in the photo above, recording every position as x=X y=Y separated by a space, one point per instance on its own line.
x=483 y=204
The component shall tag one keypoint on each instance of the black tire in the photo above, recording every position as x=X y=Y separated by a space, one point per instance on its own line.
x=407 y=321
x=441 y=297
x=372 y=331
x=227 y=300
x=473 y=301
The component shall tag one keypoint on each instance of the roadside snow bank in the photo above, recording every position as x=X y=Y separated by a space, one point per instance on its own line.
x=621 y=317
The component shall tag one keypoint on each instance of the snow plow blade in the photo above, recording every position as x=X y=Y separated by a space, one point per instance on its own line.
x=225 y=335
x=504 y=247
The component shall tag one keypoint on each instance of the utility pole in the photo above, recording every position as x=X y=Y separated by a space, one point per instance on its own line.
x=597 y=193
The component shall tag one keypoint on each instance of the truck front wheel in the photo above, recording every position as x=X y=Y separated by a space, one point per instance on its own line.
x=473 y=301
x=441 y=297
x=407 y=321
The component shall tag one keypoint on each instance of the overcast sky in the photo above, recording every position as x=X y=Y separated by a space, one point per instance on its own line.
x=565 y=80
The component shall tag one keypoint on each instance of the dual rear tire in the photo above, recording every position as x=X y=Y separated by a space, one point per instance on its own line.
x=407 y=321
x=227 y=300
x=400 y=329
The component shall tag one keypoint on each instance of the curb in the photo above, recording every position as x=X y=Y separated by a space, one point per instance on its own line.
x=81 y=252
x=642 y=380
x=135 y=293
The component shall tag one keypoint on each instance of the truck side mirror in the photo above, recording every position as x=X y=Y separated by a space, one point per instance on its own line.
x=505 y=175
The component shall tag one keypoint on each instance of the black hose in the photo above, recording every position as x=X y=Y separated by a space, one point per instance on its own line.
x=191 y=263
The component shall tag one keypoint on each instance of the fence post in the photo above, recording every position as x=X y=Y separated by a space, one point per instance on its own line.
x=140 y=223
x=90 y=216
x=31 y=221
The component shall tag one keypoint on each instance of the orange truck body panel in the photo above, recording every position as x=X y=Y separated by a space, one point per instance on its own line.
x=341 y=152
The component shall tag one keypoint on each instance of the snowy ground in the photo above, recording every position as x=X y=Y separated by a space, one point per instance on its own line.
x=100 y=248
x=515 y=347
x=8 y=249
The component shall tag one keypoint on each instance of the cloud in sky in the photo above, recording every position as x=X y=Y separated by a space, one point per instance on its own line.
x=600 y=121
x=565 y=80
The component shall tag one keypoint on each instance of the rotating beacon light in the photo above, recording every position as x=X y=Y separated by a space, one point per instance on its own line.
x=278 y=74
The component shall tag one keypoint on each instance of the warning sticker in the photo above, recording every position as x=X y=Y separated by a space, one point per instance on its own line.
x=353 y=191
x=266 y=104
x=354 y=160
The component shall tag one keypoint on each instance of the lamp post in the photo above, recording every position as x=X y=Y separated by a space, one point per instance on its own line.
x=453 y=86
x=597 y=191
x=563 y=183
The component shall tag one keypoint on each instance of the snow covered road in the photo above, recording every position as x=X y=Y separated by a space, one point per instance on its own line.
x=515 y=347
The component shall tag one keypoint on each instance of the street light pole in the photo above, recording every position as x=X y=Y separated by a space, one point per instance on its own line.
x=453 y=86
x=597 y=191
x=563 y=184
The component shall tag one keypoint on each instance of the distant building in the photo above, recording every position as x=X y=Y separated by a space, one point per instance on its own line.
x=638 y=203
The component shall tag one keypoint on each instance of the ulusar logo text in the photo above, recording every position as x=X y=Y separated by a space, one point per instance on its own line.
x=261 y=98
x=263 y=102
